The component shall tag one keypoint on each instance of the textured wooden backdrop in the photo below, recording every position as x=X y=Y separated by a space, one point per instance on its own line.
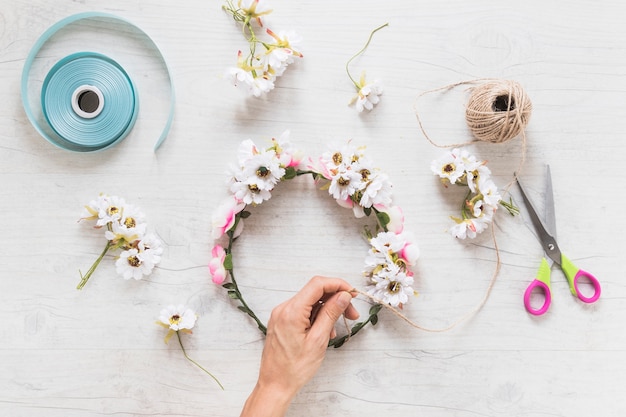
x=98 y=352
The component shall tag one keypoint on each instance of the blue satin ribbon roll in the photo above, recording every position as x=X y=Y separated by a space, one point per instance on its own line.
x=113 y=98
x=88 y=100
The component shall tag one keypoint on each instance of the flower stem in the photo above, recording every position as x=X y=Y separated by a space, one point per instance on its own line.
x=85 y=278
x=356 y=84
x=196 y=363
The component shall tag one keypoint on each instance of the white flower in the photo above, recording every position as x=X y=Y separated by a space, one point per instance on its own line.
x=282 y=53
x=129 y=265
x=254 y=9
x=489 y=191
x=130 y=227
x=285 y=152
x=391 y=286
x=469 y=228
x=239 y=75
x=474 y=176
x=368 y=96
x=387 y=242
x=263 y=170
x=449 y=167
x=344 y=183
x=377 y=189
x=150 y=250
x=248 y=192
x=178 y=317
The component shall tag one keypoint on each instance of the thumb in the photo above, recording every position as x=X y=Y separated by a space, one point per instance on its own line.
x=330 y=313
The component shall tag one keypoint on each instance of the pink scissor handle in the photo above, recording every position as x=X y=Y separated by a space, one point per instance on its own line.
x=547 y=297
x=594 y=282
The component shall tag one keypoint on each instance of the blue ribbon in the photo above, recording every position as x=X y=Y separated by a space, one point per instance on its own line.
x=69 y=128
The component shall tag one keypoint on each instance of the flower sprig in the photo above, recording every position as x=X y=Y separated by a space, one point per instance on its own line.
x=351 y=179
x=367 y=92
x=180 y=319
x=270 y=52
x=124 y=228
x=483 y=198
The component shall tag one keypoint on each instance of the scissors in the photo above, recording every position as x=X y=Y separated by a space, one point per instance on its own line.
x=546 y=233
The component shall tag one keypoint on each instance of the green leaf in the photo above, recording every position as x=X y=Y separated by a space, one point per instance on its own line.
x=367 y=210
x=229 y=285
x=375 y=309
x=244 y=214
x=383 y=218
x=228 y=262
x=290 y=172
x=338 y=342
x=233 y=294
x=374 y=319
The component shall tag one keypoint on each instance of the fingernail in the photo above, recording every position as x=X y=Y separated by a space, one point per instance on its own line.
x=344 y=300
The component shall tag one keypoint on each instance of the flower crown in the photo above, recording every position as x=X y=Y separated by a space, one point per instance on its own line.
x=354 y=182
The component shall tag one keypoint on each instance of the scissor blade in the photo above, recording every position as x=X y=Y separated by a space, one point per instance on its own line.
x=547 y=240
x=550 y=219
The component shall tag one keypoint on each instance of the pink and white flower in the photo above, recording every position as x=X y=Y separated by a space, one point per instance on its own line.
x=225 y=216
x=216 y=264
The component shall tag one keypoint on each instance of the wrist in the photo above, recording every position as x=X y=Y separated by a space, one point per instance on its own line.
x=267 y=400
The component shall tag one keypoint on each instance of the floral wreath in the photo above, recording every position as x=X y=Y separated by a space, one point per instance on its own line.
x=352 y=180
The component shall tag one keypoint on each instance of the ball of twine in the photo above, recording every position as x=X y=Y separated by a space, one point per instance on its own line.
x=498 y=110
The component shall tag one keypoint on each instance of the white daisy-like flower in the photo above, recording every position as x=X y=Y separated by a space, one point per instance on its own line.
x=368 y=96
x=249 y=192
x=391 y=286
x=475 y=175
x=449 y=167
x=110 y=210
x=343 y=156
x=150 y=250
x=387 y=242
x=377 y=190
x=489 y=190
x=130 y=265
x=178 y=317
x=130 y=227
x=92 y=210
x=344 y=183
x=263 y=169
x=469 y=228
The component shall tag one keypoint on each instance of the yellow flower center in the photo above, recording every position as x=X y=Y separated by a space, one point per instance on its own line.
x=133 y=261
x=337 y=158
x=365 y=174
x=112 y=210
x=448 y=168
x=254 y=188
x=394 y=287
x=343 y=181
x=130 y=222
x=175 y=319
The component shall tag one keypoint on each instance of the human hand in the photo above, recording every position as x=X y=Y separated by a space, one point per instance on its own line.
x=297 y=339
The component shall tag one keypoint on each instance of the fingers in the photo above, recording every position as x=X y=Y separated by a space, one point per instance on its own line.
x=317 y=287
x=329 y=314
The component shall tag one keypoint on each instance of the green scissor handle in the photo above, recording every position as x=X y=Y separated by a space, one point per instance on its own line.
x=573 y=275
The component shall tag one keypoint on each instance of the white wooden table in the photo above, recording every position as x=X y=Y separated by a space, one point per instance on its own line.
x=98 y=352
